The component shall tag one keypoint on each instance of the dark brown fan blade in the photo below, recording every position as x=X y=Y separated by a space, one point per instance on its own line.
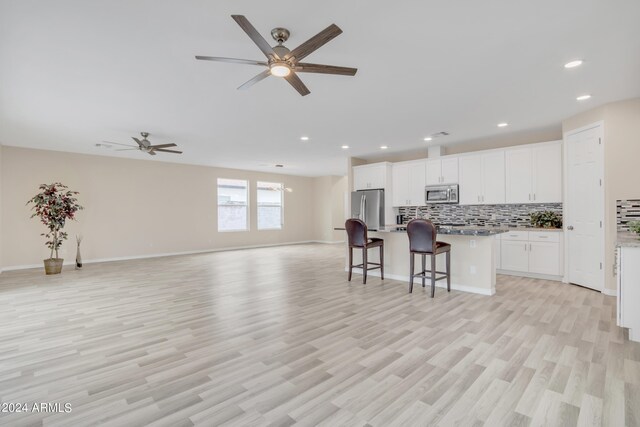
x=295 y=81
x=128 y=149
x=231 y=60
x=315 y=42
x=303 y=67
x=255 y=36
x=256 y=79
x=167 y=151
x=162 y=146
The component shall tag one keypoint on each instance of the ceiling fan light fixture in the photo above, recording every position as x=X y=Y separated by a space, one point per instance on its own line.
x=280 y=70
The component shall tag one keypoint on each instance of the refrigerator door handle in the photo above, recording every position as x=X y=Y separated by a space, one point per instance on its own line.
x=364 y=208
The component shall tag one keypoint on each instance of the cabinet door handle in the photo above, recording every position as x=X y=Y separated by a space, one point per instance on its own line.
x=534 y=197
x=525 y=247
x=529 y=196
x=478 y=198
x=529 y=247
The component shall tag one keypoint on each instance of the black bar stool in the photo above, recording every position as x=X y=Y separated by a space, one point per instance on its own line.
x=357 y=233
x=422 y=241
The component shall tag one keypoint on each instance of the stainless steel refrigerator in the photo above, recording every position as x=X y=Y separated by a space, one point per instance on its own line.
x=368 y=205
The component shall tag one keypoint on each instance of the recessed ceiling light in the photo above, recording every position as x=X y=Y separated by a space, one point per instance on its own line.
x=383 y=147
x=503 y=125
x=345 y=147
x=304 y=138
x=573 y=64
x=428 y=138
x=583 y=97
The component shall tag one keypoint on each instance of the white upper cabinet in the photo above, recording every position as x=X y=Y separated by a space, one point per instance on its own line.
x=408 y=183
x=482 y=178
x=534 y=174
x=450 y=171
x=493 y=178
x=368 y=177
x=470 y=180
x=547 y=173
x=442 y=171
x=519 y=175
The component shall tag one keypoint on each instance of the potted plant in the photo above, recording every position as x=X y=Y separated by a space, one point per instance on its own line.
x=634 y=227
x=54 y=205
x=546 y=219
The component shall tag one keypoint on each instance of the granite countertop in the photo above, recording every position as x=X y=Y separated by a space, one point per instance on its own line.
x=458 y=230
x=627 y=239
x=470 y=230
x=451 y=230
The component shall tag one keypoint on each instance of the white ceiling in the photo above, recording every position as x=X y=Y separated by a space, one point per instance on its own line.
x=74 y=73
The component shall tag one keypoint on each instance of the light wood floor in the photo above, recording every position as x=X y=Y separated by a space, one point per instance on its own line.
x=277 y=336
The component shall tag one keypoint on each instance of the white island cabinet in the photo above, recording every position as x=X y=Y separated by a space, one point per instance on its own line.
x=473 y=260
x=628 y=270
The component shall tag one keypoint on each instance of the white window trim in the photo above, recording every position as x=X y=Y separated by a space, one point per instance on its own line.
x=248 y=207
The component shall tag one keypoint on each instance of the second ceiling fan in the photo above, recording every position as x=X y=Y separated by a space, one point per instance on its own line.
x=282 y=62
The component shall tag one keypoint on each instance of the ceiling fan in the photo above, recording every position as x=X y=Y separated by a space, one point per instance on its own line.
x=145 y=146
x=282 y=62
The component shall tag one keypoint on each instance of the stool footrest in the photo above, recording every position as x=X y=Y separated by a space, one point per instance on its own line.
x=369 y=263
x=421 y=275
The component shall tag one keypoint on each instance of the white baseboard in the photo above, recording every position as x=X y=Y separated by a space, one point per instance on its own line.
x=610 y=292
x=439 y=284
x=530 y=275
x=166 y=254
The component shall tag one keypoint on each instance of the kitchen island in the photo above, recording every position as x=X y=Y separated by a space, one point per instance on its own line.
x=473 y=257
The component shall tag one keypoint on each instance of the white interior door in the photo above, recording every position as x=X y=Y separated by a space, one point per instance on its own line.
x=584 y=207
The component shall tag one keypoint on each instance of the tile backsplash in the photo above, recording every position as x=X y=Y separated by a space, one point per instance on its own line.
x=498 y=215
x=627 y=210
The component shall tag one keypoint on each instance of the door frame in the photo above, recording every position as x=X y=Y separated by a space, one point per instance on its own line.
x=567 y=209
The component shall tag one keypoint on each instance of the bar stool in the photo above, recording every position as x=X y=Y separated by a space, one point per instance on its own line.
x=357 y=233
x=422 y=241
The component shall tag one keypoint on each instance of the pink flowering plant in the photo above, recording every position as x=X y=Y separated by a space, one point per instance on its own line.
x=54 y=205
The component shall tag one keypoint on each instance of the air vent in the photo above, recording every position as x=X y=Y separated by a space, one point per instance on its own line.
x=439 y=134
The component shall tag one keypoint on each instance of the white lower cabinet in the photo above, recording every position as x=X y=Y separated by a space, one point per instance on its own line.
x=544 y=258
x=515 y=256
x=535 y=252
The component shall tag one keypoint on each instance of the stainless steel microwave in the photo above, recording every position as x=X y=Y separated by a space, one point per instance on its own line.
x=442 y=193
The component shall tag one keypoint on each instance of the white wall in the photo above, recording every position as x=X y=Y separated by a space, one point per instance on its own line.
x=621 y=156
x=1 y=183
x=135 y=207
x=329 y=207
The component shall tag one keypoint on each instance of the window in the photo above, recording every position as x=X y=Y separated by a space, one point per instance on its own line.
x=270 y=205
x=233 y=201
